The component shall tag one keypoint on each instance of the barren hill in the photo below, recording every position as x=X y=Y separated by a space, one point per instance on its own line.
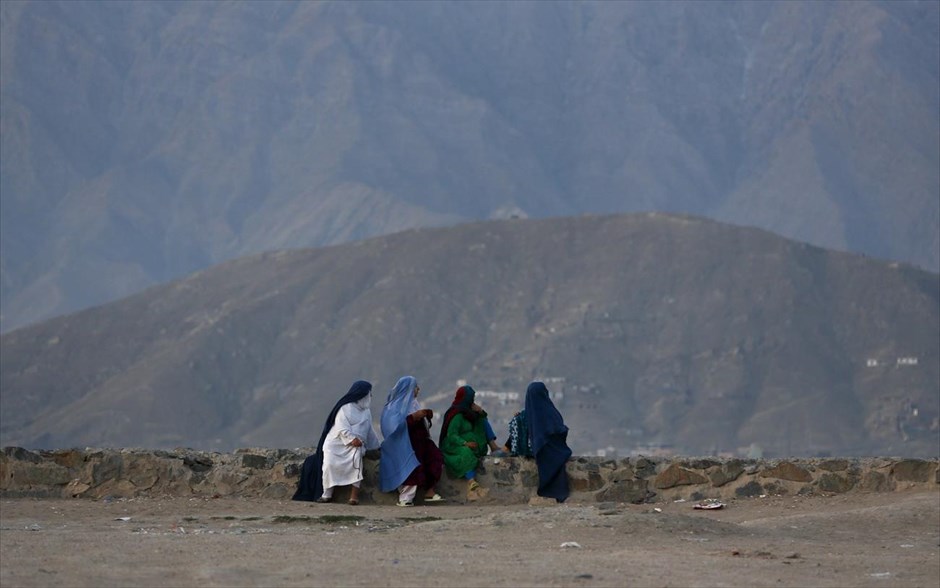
x=654 y=329
x=142 y=141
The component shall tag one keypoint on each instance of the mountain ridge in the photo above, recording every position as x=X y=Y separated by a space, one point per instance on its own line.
x=657 y=330
x=144 y=141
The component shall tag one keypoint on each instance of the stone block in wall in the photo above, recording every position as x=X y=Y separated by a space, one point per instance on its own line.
x=26 y=474
x=197 y=463
x=875 y=481
x=776 y=488
x=749 y=490
x=787 y=471
x=105 y=467
x=142 y=470
x=834 y=465
x=700 y=464
x=292 y=470
x=256 y=462
x=20 y=454
x=529 y=477
x=725 y=473
x=634 y=491
x=75 y=489
x=587 y=464
x=830 y=482
x=678 y=476
x=912 y=470
x=586 y=481
x=68 y=458
x=643 y=467
x=117 y=488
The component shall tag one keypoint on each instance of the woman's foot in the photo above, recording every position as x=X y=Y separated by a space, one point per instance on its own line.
x=475 y=491
x=324 y=499
x=433 y=497
x=354 y=496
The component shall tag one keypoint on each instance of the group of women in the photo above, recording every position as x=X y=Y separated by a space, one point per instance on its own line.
x=410 y=460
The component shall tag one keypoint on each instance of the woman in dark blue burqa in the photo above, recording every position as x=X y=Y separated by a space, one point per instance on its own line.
x=549 y=435
x=310 y=486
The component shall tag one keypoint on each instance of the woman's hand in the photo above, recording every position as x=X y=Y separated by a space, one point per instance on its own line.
x=356 y=442
x=421 y=414
x=471 y=444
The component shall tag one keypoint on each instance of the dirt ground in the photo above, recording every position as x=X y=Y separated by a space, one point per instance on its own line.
x=887 y=539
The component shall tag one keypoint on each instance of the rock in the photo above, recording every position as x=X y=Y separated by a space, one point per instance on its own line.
x=589 y=483
x=530 y=478
x=834 y=483
x=701 y=464
x=787 y=471
x=20 y=454
x=542 y=501
x=632 y=491
x=912 y=470
x=875 y=481
x=504 y=475
x=75 y=488
x=644 y=467
x=725 y=473
x=197 y=463
x=39 y=475
x=69 y=458
x=775 y=489
x=834 y=465
x=749 y=490
x=676 y=476
x=292 y=470
x=93 y=473
x=110 y=466
x=277 y=491
x=257 y=462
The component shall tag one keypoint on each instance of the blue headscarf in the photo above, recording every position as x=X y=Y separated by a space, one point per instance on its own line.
x=398 y=457
x=548 y=434
x=310 y=485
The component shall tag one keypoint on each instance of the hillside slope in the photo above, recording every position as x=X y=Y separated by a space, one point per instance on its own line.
x=655 y=329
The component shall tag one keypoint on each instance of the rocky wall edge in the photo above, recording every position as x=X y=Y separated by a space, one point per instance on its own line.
x=273 y=473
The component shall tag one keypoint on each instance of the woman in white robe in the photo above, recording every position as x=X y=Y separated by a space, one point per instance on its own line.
x=351 y=435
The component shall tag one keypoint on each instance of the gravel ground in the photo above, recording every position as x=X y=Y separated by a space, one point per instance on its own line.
x=885 y=540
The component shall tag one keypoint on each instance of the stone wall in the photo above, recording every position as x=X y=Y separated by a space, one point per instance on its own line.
x=273 y=473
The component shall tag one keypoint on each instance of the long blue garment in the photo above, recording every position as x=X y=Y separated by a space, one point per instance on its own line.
x=310 y=485
x=398 y=457
x=549 y=437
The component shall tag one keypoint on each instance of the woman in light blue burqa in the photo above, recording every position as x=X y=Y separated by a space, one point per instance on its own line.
x=410 y=459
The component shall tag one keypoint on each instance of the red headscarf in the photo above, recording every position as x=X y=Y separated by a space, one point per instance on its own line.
x=463 y=400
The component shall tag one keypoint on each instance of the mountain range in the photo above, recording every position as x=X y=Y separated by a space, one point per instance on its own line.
x=143 y=141
x=653 y=332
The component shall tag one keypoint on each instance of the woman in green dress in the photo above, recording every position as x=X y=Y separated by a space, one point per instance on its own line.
x=464 y=440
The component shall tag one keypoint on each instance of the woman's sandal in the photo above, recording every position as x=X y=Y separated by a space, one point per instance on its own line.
x=353 y=501
x=436 y=498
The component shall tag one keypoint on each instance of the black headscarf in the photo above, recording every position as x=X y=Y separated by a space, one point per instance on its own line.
x=310 y=485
